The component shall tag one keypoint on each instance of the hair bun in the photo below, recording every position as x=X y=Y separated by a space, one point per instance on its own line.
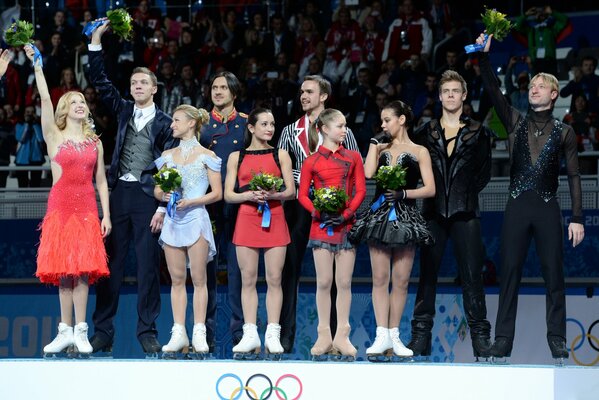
x=203 y=117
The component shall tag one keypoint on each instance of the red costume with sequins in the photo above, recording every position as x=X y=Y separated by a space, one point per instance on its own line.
x=71 y=242
x=342 y=168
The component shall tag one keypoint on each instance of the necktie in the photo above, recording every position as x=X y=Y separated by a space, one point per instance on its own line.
x=137 y=115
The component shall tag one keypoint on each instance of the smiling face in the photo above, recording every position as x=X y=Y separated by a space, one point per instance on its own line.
x=310 y=96
x=77 y=107
x=541 y=93
x=264 y=129
x=182 y=125
x=142 y=88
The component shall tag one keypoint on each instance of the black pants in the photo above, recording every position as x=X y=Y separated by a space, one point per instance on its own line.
x=131 y=211
x=298 y=222
x=29 y=178
x=468 y=248
x=224 y=216
x=529 y=217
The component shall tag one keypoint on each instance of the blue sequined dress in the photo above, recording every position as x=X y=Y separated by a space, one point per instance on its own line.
x=189 y=225
x=409 y=228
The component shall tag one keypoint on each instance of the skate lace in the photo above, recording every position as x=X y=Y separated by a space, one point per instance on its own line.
x=273 y=331
x=80 y=333
x=176 y=334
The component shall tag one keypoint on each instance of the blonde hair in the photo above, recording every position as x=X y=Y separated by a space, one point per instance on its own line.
x=326 y=117
x=199 y=115
x=62 y=110
x=452 y=76
x=549 y=79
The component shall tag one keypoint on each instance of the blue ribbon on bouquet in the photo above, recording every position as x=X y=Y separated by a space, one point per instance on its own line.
x=264 y=208
x=378 y=204
x=474 y=47
x=171 y=207
x=329 y=229
x=90 y=27
x=37 y=55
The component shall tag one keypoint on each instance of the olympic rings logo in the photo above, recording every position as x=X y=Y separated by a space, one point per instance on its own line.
x=579 y=340
x=262 y=391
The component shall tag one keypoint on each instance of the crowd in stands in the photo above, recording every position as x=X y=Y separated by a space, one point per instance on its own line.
x=372 y=52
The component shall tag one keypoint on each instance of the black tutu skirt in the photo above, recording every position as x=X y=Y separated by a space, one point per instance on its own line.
x=374 y=227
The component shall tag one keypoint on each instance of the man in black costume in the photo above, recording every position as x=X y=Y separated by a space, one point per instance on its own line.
x=460 y=150
x=537 y=143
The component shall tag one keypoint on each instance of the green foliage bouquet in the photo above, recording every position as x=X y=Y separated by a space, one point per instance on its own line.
x=330 y=199
x=265 y=181
x=121 y=23
x=496 y=24
x=391 y=177
x=20 y=33
x=168 y=179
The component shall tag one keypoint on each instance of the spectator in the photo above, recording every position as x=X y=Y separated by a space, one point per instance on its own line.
x=155 y=51
x=518 y=94
x=30 y=148
x=441 y=18
x=429 y=97
x=408 y=35
x=585 y=82
x=363 y=111
x=583 y=123
x=67 y=84
x=279 y=39
x=344 y=36
x=103 y=123
x=373 y=45
x=187 y=91
x=541 y=26
x=7 y=144
x=307 y=38
x=58 y=59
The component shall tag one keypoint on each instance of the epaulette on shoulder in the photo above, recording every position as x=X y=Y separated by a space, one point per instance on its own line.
x=243 y=115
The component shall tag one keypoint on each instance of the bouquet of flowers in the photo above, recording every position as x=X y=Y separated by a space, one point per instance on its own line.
x=120 y=22
x=168 y=179
x=391 y=177
x=496 y=24
x=265 y=181
x=20 y=33
x=330 y=199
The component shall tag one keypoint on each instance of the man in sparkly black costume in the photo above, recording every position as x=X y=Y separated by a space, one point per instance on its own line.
x=537 y=143
x=460 y=150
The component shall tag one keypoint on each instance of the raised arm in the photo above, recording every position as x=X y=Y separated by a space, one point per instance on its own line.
x=47 y=121
x=6 y=57
x=97 y=73
x=507 y=114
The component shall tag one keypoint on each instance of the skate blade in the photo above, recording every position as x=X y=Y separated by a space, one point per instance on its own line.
x=320 y=357
x=342 y=358
x=75 y=355
x=559 y=362
x=482 y=359
x=273 y=356
x=152 y=356
x=378 y=358
x=246 y=356
x=499 y=360
x=63 y=355
x=174 y=355
x=194 y=355
x=401 y=359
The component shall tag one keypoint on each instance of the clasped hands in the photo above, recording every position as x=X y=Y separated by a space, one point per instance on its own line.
x=333 y=220
x=395 y=195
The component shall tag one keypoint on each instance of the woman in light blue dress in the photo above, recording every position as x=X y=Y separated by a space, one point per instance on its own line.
x=187 y=233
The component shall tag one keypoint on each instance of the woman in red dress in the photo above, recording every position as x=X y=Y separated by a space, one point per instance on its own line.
x=332 y=165
x=71 y=253
x=252 y=233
